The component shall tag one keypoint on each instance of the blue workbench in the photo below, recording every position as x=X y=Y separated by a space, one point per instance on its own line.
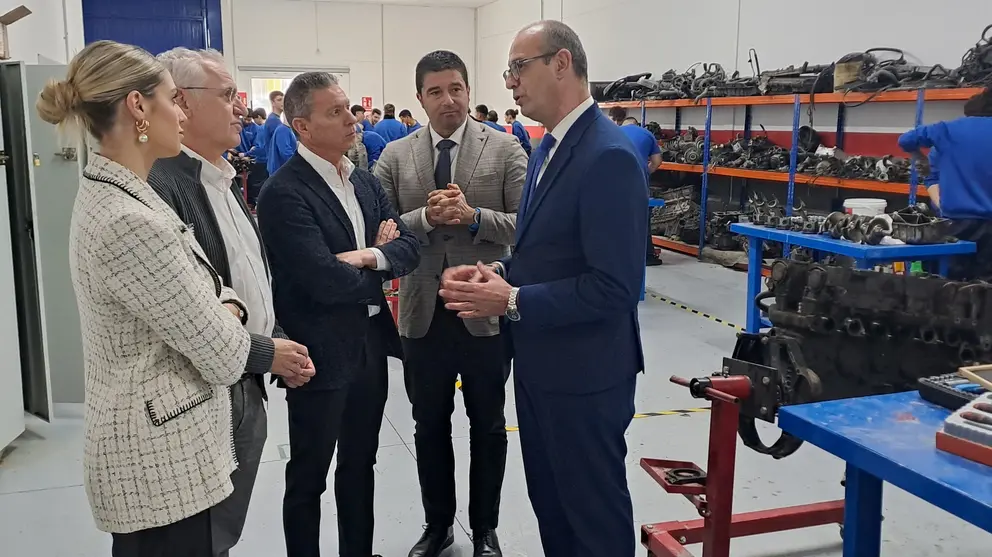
x=865 y=256
x=891 y=438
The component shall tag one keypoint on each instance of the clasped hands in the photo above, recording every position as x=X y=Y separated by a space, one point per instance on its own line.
x=474 y=291
x=449 y=207
x=290 y=360
x=365 y=258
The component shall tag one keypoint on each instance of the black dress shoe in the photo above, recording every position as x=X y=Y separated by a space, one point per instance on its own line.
x=652 y=261
x=433 y=542
x=486 y=544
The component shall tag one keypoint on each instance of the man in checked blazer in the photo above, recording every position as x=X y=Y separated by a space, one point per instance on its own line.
x=456 y=184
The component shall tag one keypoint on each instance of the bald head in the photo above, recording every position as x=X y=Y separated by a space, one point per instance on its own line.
x=555 y=36
x=547 y=71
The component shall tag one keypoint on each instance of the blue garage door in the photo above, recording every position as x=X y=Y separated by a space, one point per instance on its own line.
x=155 y=25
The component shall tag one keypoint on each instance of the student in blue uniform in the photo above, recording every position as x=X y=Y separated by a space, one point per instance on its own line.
x=646 y=148
x=518 y=130
x=374 y=144
x=248 y=130
x=282 y=147
x=390 y=128
x=964 y=192
x=359 y=113
x=409 y=121
x=482 y=115
x=275 y=118
x=255 y=148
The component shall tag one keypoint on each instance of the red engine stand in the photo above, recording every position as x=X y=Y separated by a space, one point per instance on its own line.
x=713 y=496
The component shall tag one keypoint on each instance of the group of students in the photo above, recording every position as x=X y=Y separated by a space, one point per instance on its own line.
x=267 y=141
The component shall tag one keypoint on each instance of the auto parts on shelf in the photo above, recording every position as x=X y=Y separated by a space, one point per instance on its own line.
x=839 y=333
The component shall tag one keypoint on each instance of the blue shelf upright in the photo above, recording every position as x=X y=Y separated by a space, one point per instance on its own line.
x=704 y=190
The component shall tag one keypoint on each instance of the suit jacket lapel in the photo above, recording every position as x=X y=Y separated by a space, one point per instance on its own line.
x=561 y=159
x=469 y=153
x=316 y=182
x=423 y=159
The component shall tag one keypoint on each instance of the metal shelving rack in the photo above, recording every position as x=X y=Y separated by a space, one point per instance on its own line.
x=912 y=189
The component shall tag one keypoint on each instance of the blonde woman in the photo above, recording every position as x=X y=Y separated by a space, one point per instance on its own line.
x=162 y=339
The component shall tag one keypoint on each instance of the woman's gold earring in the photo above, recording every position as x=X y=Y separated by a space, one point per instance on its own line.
x=142 y=127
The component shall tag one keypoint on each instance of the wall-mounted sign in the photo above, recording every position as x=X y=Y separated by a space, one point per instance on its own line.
x=243 y=95
x=367 y=103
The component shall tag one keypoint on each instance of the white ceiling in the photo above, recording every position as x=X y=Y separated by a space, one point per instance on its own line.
x=445 y=3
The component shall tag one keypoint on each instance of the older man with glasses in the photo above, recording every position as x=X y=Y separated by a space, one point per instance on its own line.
x=198 y=185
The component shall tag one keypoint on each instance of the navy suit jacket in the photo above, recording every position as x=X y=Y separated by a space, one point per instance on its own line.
x=319 y=301
x=579 y=263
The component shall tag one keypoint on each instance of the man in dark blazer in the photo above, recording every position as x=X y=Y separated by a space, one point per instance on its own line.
x=569 y=294
x=198 y=185
x=333 y=238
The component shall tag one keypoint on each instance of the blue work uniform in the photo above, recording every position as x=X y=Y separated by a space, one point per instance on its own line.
x=391 y=129
x=374 y=144
x=248 y=131
x=494 y=126
x=282 y=147
x=645 y=144
x=520 y=132
x=367 y=126
x=965 y=179
x=416 y=126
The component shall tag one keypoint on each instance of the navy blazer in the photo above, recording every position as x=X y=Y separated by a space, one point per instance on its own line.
x=579 y=263
x=319 y=301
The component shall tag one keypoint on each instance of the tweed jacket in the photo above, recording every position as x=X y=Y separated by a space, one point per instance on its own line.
x=490 y=168
x=159 y=351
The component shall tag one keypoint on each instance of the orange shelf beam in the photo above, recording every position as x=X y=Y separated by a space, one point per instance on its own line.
x=675 y=245
x=961 y=94
x=820 y=181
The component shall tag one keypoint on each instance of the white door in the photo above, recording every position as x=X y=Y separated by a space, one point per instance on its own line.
x=259 y=83
x=12 y=393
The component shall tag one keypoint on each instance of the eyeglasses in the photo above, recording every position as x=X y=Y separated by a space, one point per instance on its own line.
x=230 y=94
x=517 y=66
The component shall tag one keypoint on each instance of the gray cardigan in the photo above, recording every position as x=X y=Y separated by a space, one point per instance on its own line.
x=177 y=181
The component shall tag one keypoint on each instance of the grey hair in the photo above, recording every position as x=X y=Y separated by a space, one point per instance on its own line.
x=189 y=67
x=558 y=36
x=297 y=101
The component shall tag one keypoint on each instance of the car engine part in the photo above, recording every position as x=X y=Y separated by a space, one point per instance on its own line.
x=839 y=333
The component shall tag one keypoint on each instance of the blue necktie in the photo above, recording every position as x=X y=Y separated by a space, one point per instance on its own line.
x=540 y=154
x=442 y=172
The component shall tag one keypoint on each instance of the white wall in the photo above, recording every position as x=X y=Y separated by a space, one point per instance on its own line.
x=497 y=24
x=53 y=28
x=379 y=45
x=624 y=37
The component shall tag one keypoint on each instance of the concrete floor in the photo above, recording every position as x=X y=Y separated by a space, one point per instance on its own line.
x=44 y=513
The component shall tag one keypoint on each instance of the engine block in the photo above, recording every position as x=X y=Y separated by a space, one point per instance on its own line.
x=840 y=333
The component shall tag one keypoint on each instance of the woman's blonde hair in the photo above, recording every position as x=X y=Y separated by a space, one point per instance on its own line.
x=99 y=77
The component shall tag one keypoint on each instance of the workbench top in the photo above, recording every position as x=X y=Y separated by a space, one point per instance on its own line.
x=864 y=252
x=893 y=438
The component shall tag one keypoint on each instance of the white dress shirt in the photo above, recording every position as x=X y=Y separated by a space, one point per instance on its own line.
x=244 y=254
x=436 y=138
x=340 y=183
x=561 y=130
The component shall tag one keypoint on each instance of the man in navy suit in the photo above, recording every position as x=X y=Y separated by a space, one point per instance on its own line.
x=569 y=296
x=332 y=238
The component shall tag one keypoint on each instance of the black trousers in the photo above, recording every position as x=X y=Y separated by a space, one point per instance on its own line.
x=431 y=366
x=256 y=177
x=250 y=429
x=190 y=537
x=349 y=417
